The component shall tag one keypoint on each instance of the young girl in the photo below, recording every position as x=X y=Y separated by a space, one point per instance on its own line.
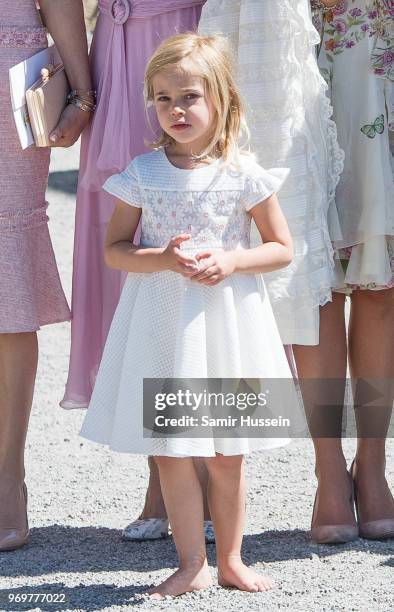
x=126 y=35
x=194 y=303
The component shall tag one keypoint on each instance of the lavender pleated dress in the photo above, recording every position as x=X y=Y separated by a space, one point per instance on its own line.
x=126 y=35
x=31 y=294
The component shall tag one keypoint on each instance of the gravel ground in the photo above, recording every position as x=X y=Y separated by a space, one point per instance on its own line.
x=81 y=496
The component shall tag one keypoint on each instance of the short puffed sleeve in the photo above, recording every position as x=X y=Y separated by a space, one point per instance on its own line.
x=260 y=184
x=125 y=186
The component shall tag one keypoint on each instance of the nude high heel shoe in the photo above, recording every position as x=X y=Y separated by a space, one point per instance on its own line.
x=334 y=534
x=15 y=537
x=379 y=529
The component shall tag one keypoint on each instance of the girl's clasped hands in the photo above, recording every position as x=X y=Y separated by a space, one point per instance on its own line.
x=207 y=268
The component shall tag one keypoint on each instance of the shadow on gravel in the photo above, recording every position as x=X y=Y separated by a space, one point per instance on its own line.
x=77 y=550
x=58 y=549
x=65 y=181
x=57 y=596
x=389 y=562
x=272 y=546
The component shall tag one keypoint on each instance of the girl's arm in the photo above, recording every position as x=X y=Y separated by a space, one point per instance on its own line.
x=120 y=252
x=275 y=253
x=65 y=22
x=277 y=250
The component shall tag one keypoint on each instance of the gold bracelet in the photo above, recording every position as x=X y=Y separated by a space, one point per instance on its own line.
x=83 y=96
x=78 y=92
x=88 y=108
x=71 y=96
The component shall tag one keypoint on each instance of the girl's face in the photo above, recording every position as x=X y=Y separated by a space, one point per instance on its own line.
x=183 y=109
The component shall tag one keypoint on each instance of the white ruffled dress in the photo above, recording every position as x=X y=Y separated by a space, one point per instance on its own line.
x=167 y=326
x=289 y=118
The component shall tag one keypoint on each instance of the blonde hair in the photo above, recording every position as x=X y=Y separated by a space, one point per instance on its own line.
x=212 y=58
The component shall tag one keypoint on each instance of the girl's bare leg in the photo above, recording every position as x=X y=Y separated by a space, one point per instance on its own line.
x=371 y=356
x=184 y=502
x=18 y=366
x=154 y=504
x=226 y=496
x=203 y=477
x=315 y=364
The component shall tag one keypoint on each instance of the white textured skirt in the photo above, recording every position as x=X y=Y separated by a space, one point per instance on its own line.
x=167 y=326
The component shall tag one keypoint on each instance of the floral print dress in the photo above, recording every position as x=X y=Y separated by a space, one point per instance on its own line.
x=356 y=58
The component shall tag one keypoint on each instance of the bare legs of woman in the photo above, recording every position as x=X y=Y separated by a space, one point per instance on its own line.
x=371 y=358
x=18 y=366
x=316 y=363
x=184 y=501
x=370 y=348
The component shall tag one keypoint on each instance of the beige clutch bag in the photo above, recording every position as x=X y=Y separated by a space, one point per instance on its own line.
x=46 y=100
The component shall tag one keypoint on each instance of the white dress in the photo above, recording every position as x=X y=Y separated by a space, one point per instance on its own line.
x=289 y=119
x=167 y=326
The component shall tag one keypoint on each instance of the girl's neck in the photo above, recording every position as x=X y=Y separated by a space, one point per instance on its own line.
x=189 y=157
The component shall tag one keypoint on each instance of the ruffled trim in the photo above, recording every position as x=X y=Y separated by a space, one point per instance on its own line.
x=334 y=160
x=313 y=289
x=369 y=265
x=11 y=221
x=335 y=157
x=259 y=188
x=23 y=37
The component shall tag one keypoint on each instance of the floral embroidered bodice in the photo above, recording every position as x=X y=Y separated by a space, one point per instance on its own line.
x=211 y=203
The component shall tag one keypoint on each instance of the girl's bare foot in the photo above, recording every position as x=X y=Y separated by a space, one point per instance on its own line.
x=236 y=574
x=186 y=579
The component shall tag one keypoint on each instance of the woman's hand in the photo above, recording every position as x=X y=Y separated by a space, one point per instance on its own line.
x=71 y=124
x=175 y=260
x=215 y=266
